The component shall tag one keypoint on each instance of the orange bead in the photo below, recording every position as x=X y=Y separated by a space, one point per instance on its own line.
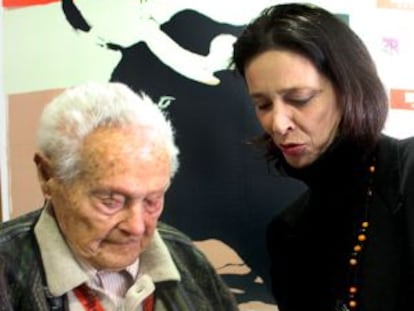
x=352 y=304
x=353 y=289
x=362 y=237
x=357 y=248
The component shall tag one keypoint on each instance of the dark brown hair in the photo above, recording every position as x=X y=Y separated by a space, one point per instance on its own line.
x=335 y=50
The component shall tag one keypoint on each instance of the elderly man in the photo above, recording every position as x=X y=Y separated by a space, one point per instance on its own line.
x=105 y=159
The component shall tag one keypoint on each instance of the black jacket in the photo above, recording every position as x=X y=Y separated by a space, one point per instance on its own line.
x=311 y=242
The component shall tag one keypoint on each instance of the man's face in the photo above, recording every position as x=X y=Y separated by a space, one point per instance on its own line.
x=108 y=214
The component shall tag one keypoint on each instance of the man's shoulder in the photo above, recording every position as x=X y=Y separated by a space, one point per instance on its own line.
x=201 y=285
x=19 y=227
x=20 y=264
x=173 y=235
x=180 y=245
x=18 y=248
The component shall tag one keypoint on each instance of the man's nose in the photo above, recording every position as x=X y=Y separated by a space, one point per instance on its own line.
x=134 y=219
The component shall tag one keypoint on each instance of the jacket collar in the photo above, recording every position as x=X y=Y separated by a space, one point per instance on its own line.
x=64 y=273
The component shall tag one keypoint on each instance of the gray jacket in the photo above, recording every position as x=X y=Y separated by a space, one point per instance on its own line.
x=23 y=286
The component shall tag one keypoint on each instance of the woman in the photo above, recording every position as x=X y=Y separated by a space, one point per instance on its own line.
x=348 y=242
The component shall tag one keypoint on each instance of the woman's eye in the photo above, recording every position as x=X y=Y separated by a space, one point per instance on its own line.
x=301 y=98
x=299 y=101
x=262 y=104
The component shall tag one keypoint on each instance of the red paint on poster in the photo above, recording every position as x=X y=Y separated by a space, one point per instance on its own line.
x=402 y=99
x=24 y=3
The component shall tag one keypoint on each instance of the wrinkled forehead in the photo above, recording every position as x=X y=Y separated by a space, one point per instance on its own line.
x=128 y=147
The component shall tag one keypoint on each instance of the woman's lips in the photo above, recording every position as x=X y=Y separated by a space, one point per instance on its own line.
x=292 y=149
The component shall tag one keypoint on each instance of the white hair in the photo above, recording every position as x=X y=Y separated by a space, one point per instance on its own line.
x=80 y=110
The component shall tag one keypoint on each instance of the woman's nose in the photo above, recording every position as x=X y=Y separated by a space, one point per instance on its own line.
x=281 y=120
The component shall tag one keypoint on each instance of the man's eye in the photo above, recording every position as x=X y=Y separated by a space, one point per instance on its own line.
x=111 y=203
x=153 y=205
x=112 y=200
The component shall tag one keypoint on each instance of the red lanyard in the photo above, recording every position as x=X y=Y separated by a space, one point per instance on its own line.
x=149 y=303
x=89 y=301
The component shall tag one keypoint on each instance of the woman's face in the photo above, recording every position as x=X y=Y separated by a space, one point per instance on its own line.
x=295 y=104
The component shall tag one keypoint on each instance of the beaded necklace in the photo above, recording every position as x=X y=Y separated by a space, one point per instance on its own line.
x=352 y=294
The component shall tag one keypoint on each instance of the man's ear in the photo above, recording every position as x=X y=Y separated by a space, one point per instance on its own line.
x=44 y=172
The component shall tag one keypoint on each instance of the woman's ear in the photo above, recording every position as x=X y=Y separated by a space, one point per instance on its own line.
x=44 y=172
